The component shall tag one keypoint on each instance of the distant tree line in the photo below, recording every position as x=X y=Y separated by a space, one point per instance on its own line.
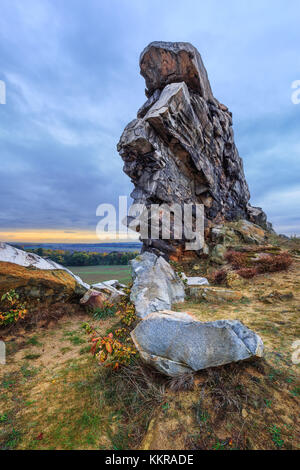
x=85 y=258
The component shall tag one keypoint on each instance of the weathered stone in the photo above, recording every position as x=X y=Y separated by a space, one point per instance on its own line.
x=113 y=290
x=224 y=234
x=169 y=62
x=114 y=283
x=249 y=232
x=175 y=343
x=218 y=254
x=148 y=104
x=235 y=233
x=155 y=284
x=214 y=294
x=181 y=148
x=258 y=217
x=275 y=296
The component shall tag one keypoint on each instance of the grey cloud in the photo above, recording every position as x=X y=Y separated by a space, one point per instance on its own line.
x=73 y=84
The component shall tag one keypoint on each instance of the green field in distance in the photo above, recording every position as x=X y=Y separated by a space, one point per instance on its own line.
x=93 y=274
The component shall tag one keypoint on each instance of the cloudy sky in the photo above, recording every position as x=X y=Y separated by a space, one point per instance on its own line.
x=72 y=84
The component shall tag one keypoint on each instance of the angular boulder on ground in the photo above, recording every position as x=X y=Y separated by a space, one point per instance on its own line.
x=35 y=278
x=214 y=294
x=194 y=280
x=112 y=289
x=155 y=284
x=181 y=147
x=238 y=232
x=175 y=343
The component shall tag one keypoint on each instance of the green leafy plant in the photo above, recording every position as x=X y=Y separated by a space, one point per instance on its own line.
x=3 y=418
x=218 y=446
x=268 y=403
x=165 y=407
x=127 y=314
x=247 y=273
x=276 y=436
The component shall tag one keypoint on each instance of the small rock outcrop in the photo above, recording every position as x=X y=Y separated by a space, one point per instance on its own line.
x=194 y=280
x=181 y=147
x=176 y=343
x=155 y=284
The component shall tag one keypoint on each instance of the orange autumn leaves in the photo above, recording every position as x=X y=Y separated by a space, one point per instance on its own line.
x=112 y=352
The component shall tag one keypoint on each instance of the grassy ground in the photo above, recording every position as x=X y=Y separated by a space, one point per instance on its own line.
x=252 y=405
x=93 y=274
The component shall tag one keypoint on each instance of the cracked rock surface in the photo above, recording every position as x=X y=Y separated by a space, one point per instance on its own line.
x=181 y=147
x=176 y=343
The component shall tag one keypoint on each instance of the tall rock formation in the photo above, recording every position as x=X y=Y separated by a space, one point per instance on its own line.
x=181 y=148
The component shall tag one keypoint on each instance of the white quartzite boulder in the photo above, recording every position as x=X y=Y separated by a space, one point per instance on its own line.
x=155 y=284
x=176 y=343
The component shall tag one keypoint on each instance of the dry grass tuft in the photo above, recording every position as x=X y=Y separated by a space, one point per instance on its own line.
x=182 y=383
x=134 y=392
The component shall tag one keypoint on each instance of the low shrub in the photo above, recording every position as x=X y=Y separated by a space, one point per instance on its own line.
x=116 y=348
x=219 y=277
x=127 y=314
x=237 y=259
x=11 y=309
x=269 y=264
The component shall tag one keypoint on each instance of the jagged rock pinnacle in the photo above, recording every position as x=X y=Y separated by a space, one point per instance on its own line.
x=181 y=148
